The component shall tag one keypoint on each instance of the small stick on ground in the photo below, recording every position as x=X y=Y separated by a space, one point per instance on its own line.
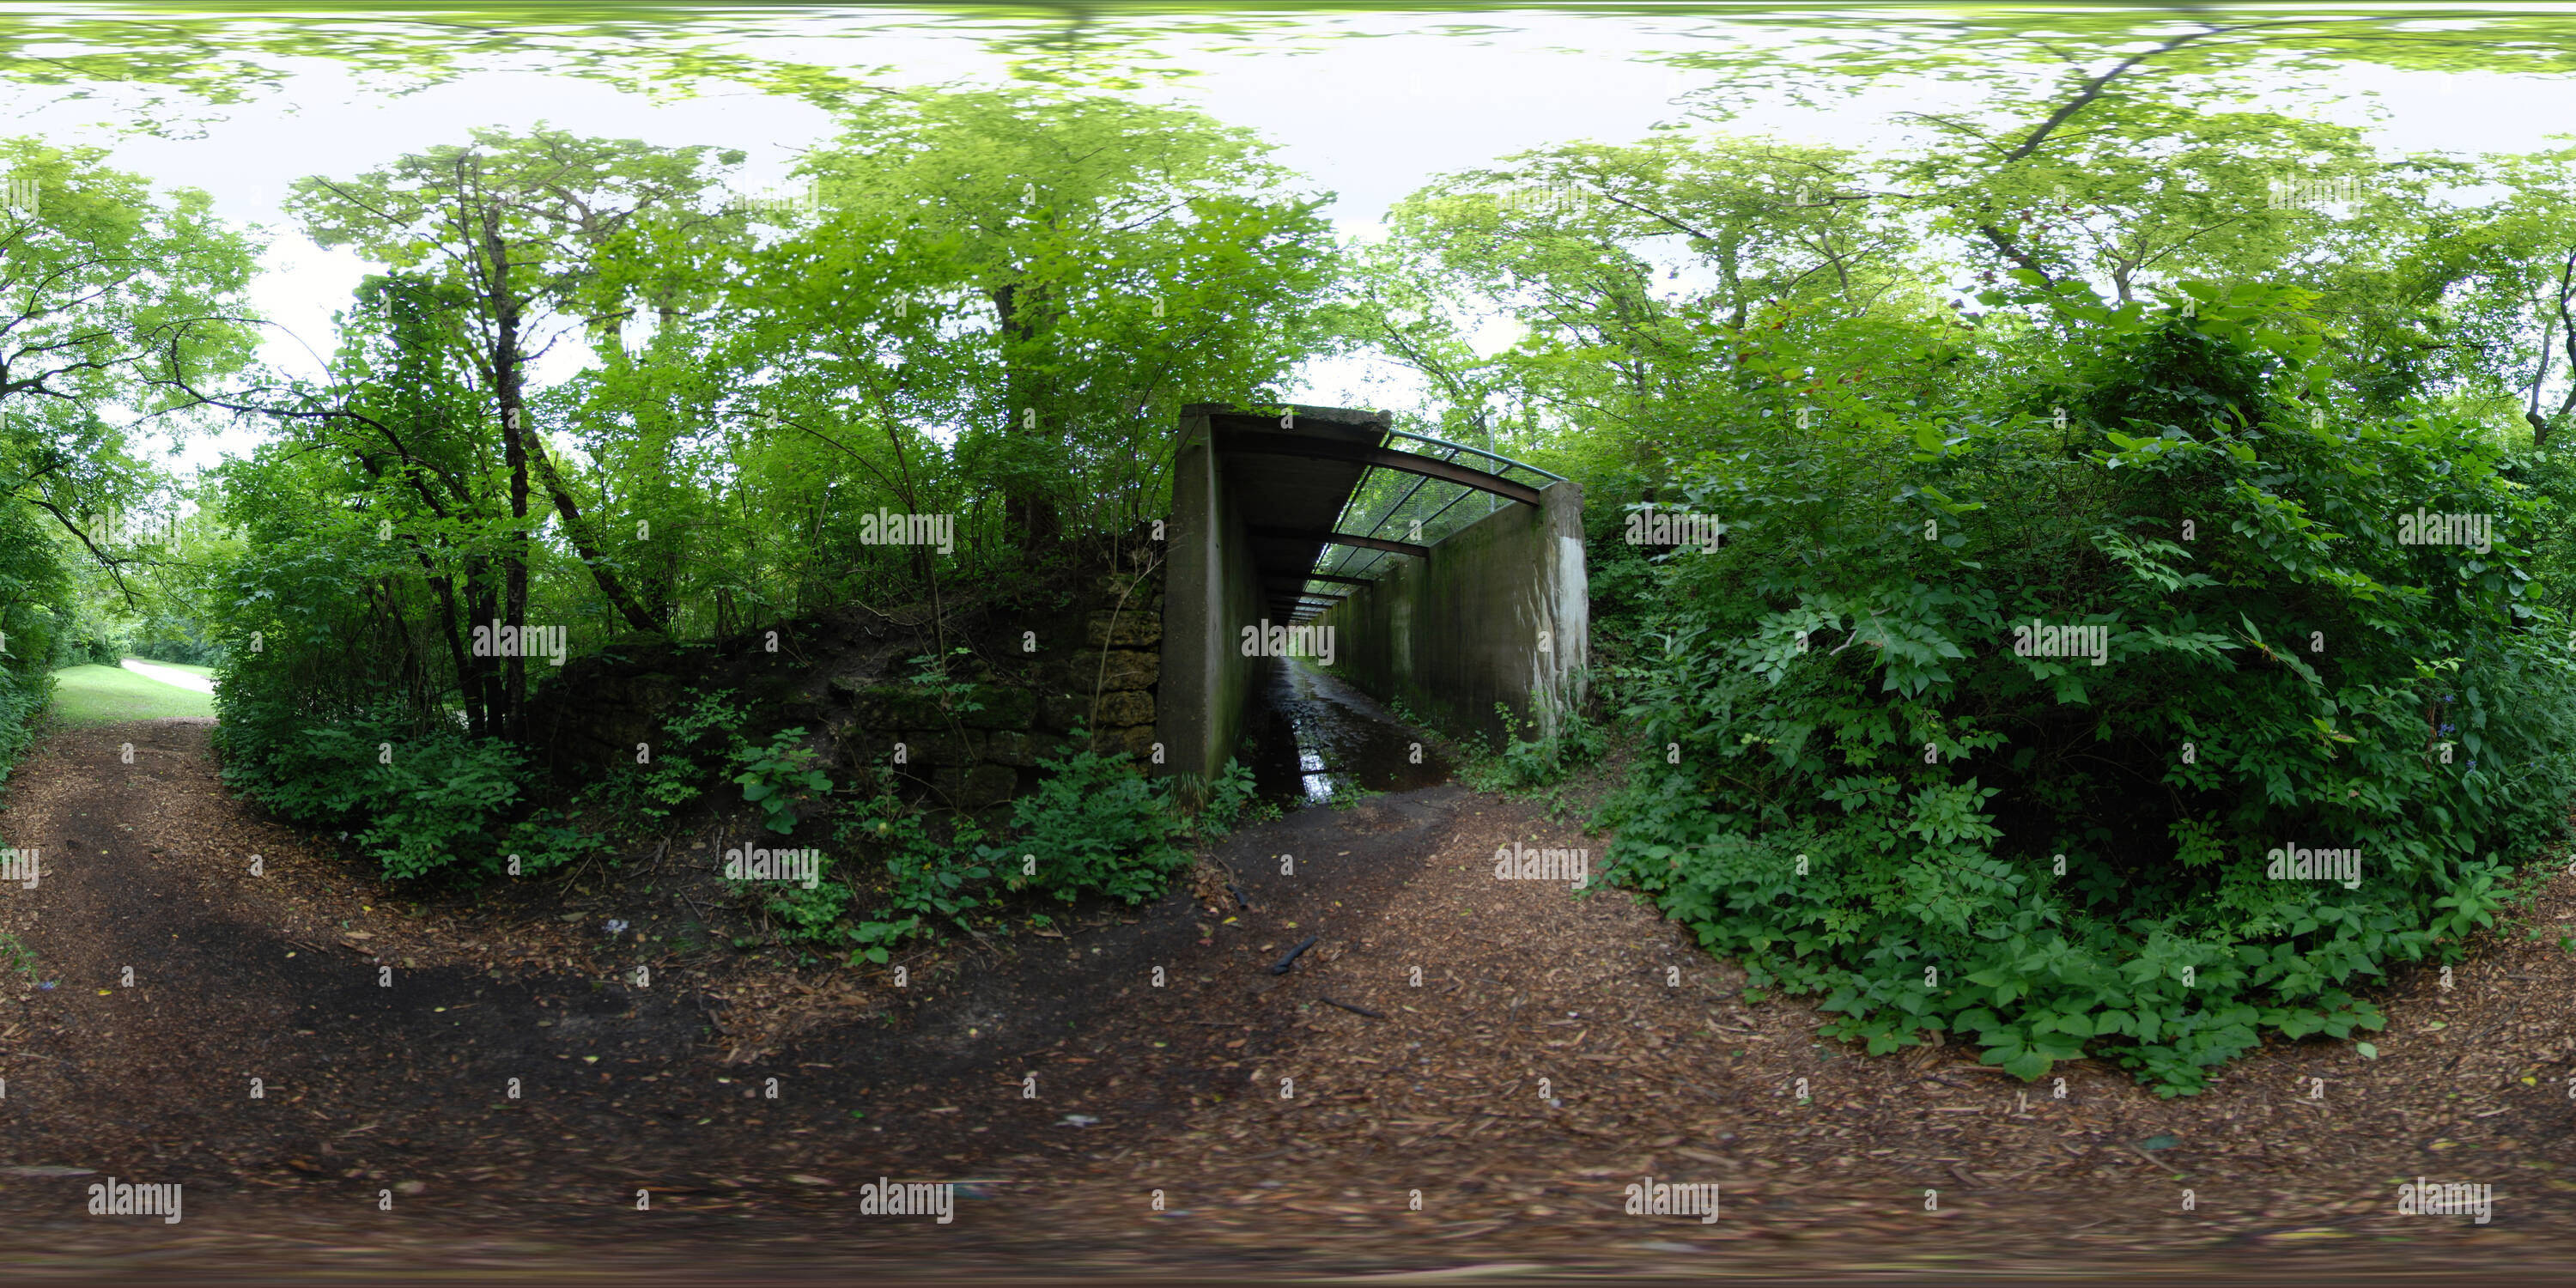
x=1355 y=1010
x=1280 y=967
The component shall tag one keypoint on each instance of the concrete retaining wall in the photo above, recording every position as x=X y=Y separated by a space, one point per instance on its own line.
x=1210 y=581
x=1500 y=612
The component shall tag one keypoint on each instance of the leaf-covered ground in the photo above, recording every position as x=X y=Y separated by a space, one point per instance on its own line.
x=371 y=1089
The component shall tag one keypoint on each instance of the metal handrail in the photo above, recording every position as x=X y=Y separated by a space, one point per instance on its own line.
x=1508 y=462
x=1343 y=565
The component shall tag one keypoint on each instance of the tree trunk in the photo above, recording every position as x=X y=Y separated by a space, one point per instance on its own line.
x=1025 y=504
x=506 y=376
x=482 y=697
x=584 y=541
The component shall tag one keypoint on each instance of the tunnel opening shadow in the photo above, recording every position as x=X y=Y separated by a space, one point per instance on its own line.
x=1315 y=739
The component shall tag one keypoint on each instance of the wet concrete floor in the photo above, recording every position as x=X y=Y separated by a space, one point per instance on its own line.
x=1315 y=738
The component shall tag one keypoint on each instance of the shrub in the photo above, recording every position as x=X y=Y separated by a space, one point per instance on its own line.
x=645 y=796
x=810 y=916
x=1232 y=802
x=928 y=882
x=1881 y=801
x=24 y=695
x=1526 y=764
x=779 y=776
x=1096 y=825
x=419 y=803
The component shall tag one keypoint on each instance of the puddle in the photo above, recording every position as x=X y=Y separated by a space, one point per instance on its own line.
x=1316 y=737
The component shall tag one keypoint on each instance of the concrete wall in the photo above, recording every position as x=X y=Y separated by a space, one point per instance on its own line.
x=1210 y=581
x=1500 y=612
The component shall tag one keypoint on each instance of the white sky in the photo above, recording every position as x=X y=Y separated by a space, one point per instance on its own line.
x=1369 y=118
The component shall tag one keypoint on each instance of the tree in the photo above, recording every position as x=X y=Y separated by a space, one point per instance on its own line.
x=535 y=238
x=105 y=288
x=1075 y=265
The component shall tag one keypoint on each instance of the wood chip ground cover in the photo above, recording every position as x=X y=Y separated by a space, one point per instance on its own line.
x=1556 y=1049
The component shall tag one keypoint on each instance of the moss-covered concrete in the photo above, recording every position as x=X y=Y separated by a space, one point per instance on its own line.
x=1210 y=582
x=1499 y=613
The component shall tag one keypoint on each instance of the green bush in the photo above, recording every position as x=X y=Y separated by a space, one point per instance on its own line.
x=809 y=916
x=1876 y=789
x=928 y=882
x=24 y=695
x=778 y=776
x=1232 y=802
x=1096 y=825
x=418 y=802
x=645 y=796
x=1536 y=761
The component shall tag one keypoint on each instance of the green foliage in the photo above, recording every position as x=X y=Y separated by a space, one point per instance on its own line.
x=930 y=674
x=1022 y=251
x=1097 y=825
x=420 y=802
x=23 y=697
x=780 y=776
x=1232 y=802
x=1874 y=785
x=1536 y=761
x=929 y=883
x=703 y=725
x=809 y=916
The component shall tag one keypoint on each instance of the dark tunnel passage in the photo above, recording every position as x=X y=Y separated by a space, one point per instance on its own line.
x=1315 y=738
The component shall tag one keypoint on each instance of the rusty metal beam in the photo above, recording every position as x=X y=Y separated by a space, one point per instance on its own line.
x=1256 y=443
x=1343 y=539
x=1319 y=576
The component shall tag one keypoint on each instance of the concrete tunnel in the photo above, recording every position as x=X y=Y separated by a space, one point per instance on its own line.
x=1452 y=578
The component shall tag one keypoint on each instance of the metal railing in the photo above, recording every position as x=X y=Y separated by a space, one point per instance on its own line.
x=1352 y=561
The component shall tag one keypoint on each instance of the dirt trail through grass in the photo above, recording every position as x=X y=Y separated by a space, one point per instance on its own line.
x=1654 y=1065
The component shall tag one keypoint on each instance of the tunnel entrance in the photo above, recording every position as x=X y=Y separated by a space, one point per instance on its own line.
x=1322 y=561
x=1314 y=739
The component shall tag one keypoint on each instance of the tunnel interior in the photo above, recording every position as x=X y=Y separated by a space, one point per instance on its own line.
x=1316 y=739
x=1326 y=567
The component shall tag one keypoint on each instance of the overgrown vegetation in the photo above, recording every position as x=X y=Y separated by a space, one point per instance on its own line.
x=1881 y=798
x=2182 y=413
x=644 y=796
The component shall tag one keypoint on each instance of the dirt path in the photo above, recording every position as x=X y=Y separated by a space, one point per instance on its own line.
x=1653 y=1065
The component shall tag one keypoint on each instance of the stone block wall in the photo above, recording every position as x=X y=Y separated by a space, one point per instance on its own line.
x=1096 y=664
x=1103 y=676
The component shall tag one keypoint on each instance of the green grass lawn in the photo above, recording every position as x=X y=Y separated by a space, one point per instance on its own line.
x=106 y=694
